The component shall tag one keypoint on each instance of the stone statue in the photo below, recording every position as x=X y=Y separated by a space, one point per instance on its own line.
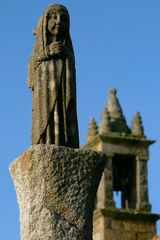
x=51 y=78
x=55 y=184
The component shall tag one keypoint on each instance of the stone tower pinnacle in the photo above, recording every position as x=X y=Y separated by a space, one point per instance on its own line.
x=105 y=124
x=92 y=130
x=136 y=126
x=118 y=121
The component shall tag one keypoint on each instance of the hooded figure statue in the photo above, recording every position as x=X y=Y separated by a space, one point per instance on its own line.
x=51 y=77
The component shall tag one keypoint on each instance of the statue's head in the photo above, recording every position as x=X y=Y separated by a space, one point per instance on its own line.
x=53 y=25
x=57 y=20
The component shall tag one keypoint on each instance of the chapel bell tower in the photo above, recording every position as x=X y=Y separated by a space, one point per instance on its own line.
x=125 y=174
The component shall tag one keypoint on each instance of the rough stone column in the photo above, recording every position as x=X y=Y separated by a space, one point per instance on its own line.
x=142 y=185
x=105 y=190
x=56 y=189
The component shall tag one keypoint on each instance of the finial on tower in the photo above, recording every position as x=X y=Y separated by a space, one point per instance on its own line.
x=112 y=91
x=105 y=125
x=137 y=126
x=92 y=130
x=118 y=121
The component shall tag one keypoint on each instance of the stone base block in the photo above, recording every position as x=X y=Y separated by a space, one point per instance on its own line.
x=56 y=189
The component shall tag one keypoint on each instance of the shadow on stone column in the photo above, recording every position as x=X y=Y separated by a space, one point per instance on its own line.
x=56 y=189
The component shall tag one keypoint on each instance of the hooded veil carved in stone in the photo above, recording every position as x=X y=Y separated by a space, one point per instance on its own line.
x=51 y=77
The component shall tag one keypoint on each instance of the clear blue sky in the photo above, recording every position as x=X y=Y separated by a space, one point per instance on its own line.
x=117 y=44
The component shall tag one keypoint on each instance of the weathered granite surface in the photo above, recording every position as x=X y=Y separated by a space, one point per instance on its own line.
x=56 y=188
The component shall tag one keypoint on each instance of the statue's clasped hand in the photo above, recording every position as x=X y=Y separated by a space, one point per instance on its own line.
x=57 y=49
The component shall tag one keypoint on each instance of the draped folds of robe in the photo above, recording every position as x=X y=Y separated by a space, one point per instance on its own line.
x=52 y=81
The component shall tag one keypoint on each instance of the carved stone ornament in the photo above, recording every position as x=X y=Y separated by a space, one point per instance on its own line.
x=51 y=77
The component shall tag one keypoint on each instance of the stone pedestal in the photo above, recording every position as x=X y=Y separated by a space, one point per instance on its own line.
x=56 y=189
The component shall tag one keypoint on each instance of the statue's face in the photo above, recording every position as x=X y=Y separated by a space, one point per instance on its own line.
x=58 y=23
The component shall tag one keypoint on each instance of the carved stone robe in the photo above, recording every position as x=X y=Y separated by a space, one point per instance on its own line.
x=53 y=84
